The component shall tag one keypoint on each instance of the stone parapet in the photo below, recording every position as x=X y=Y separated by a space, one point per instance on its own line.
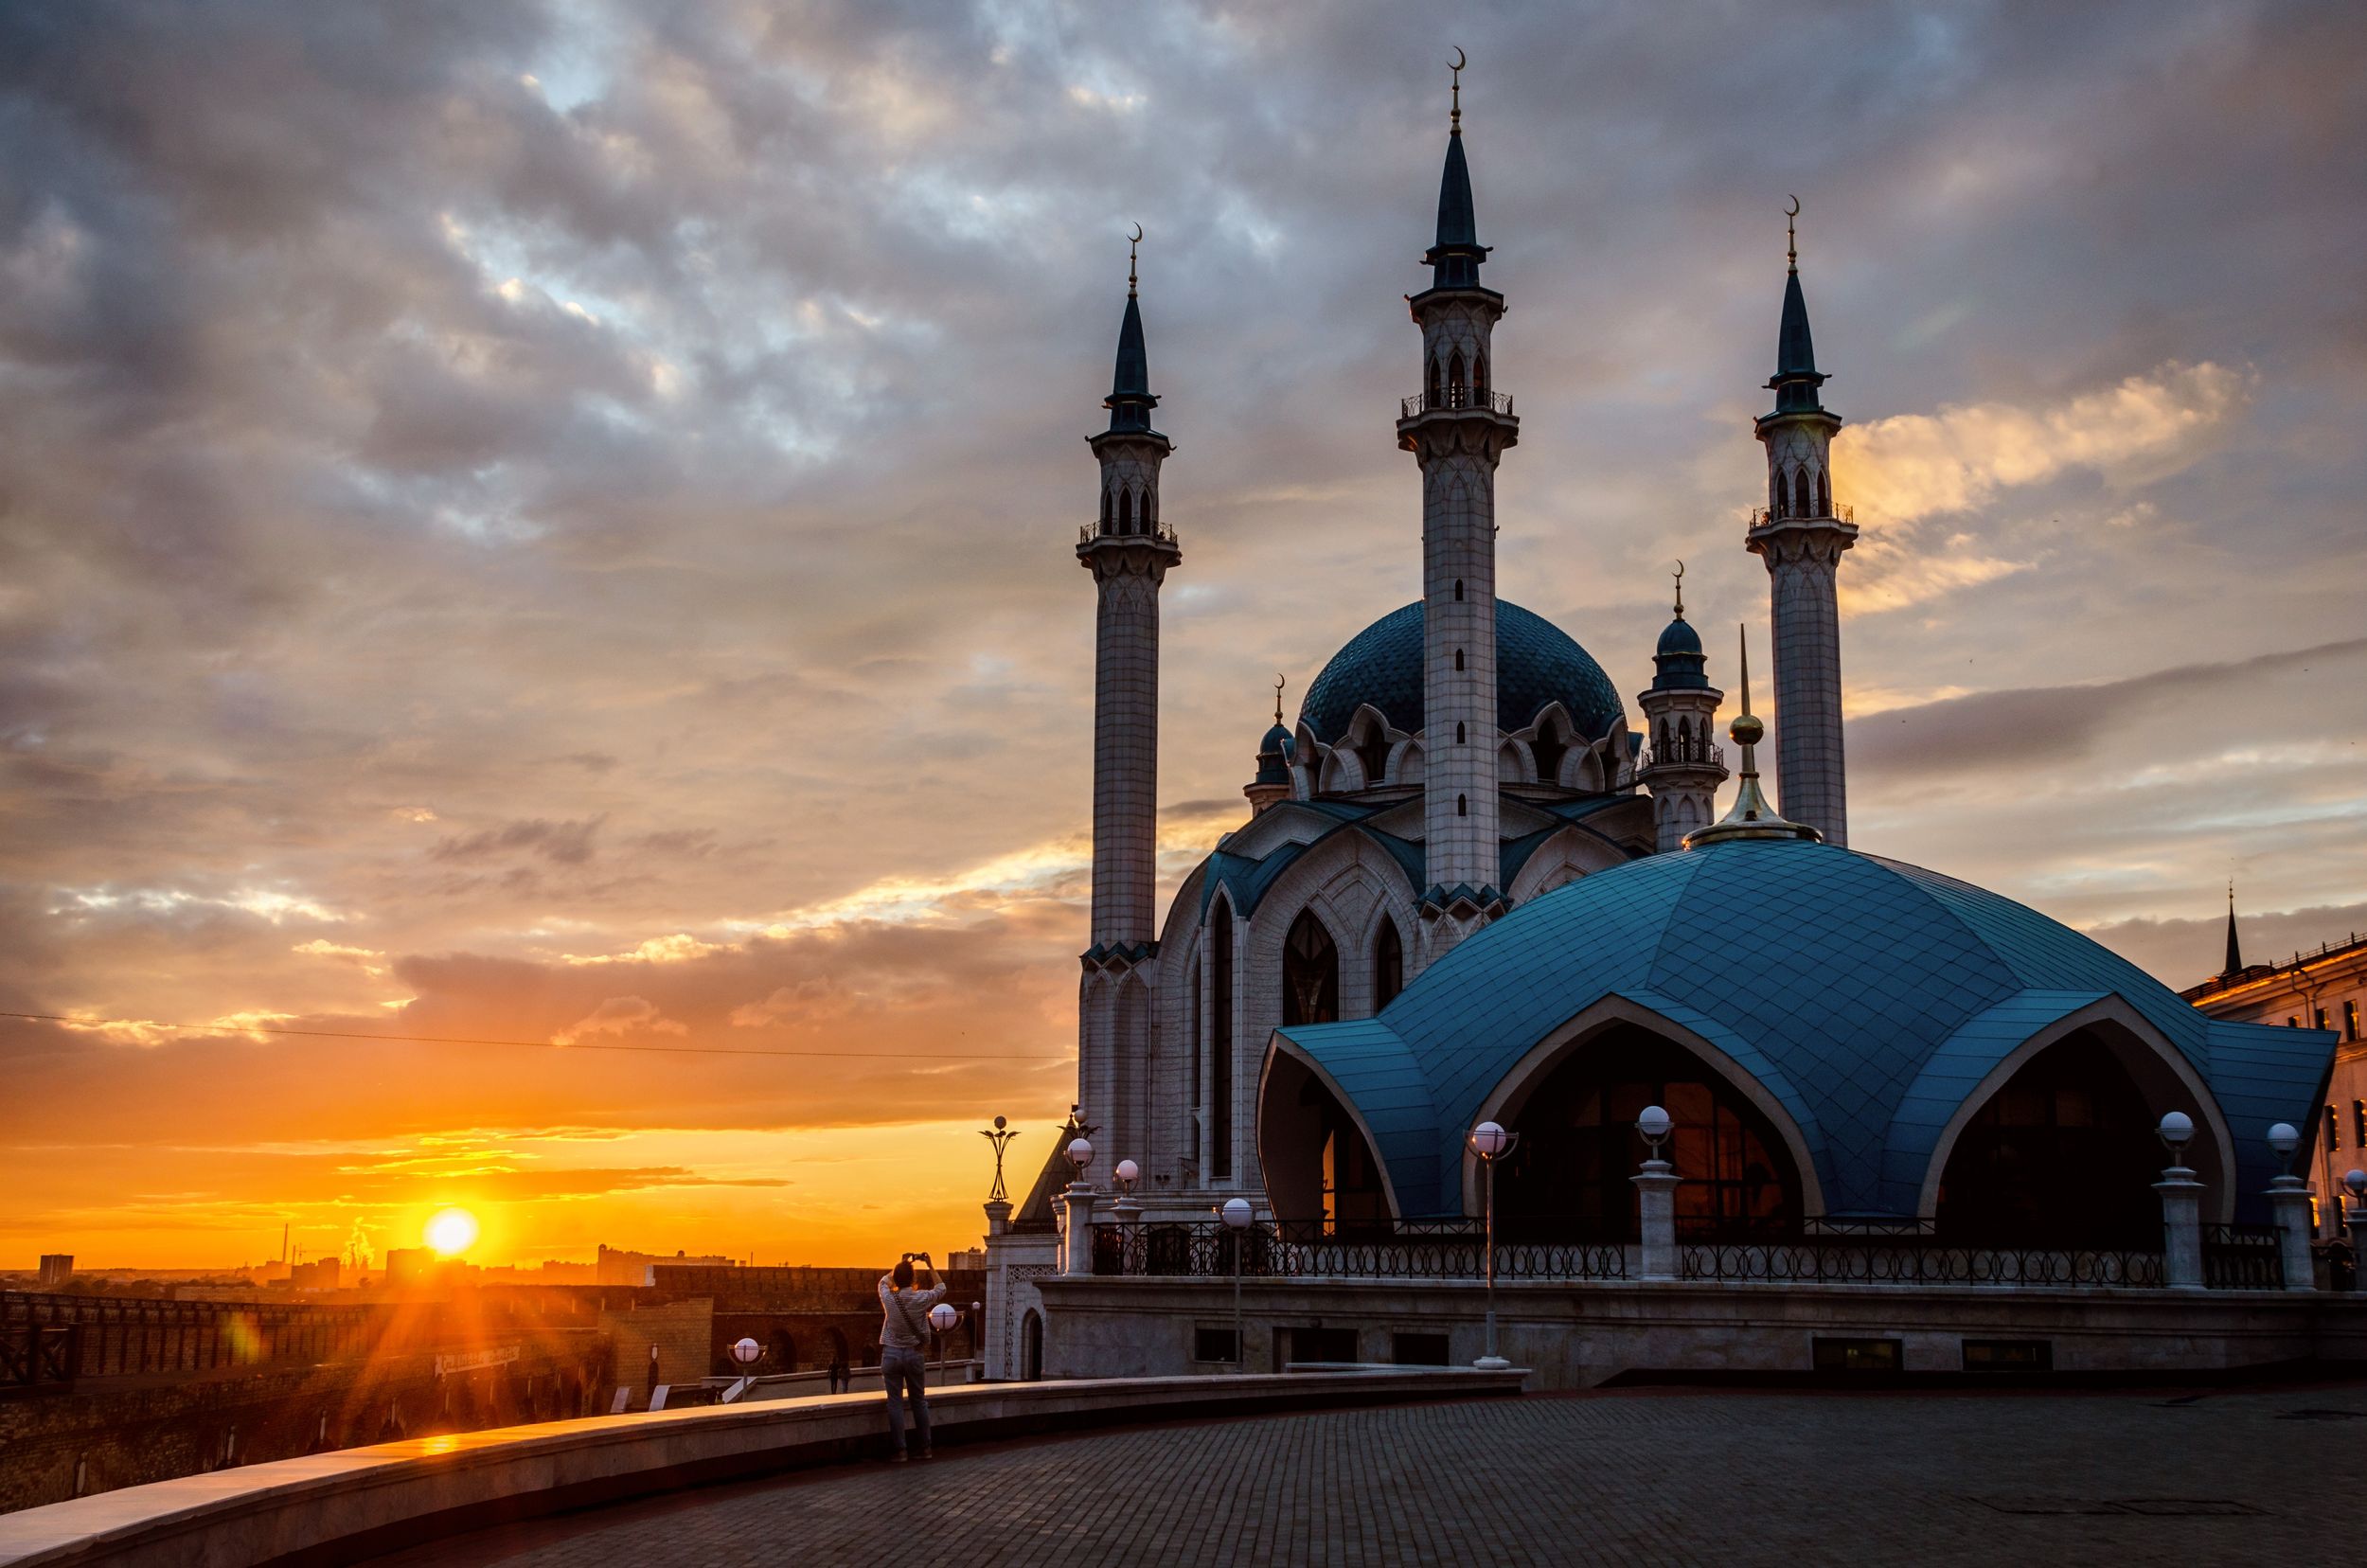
x=359 y=1503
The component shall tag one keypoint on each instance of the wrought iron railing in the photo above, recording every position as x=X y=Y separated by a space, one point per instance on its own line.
x=1451 y=398
x=1840 y=511
x=1409 y=1250
x=1914 y=1259
x=2243 y=1257
x=1675 y=754
x=1158 y=533
x=36 y=1356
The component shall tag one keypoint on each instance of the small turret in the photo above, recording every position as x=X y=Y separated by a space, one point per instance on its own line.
x=1682 y=765
x=1272 y=782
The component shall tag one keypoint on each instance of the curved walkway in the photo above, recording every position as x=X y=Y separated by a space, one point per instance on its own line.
x=1642 y=1477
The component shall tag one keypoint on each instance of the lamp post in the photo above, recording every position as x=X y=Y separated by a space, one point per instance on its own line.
x=1491 y=1143
x=1237 y=1218
x=941 y=1320
x=1126 y=1173
x=998 y=1196
x=2289 y=1206
x=747 y=1352
x=1655 y=1184
x=1079 y=1210
x=2181 y=1207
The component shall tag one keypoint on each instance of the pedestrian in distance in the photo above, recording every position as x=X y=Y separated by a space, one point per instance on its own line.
x=903 y=1348
x=842 y=1376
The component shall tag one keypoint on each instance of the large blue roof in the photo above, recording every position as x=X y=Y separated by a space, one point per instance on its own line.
x=1537 y=663
x=1867 y=996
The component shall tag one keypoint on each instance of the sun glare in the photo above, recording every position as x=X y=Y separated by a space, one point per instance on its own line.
x=452 y=1231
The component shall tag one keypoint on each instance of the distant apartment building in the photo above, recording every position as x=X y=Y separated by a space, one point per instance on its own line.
x=618 y=1267
x=2325 y=990
x=319 y=1275
x=409 y=1265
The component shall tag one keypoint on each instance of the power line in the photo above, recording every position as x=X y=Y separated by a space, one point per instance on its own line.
x=534 y=1044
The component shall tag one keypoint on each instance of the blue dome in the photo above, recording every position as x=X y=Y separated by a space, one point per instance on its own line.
x=1537 y=663
x=1680 y=638
x=1868 y=997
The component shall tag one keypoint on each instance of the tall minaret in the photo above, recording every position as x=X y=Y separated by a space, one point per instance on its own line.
x=1128 y=551
x=1682 y=766
x=1457 y=427
x=1801 y=535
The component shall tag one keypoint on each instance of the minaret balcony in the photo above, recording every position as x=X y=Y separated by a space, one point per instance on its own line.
x=1705 y=755
x=1840 y=512
x=1094 y=533
x=1455 y=400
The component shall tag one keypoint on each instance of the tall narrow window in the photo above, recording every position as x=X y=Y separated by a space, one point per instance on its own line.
x=1800 y=495
x=1458 y=658
x=2334 y=1132
x=1388 y=965
x=1126 y=511
x=1455 y=386
x=1479 y=377
x=1458 y=733
x=1823 y=494
x=1458 y=590
x=1462 y=806
x=2358 y=1124
x=2350 y=1021
x=1310 y=973
x=1220 y=1039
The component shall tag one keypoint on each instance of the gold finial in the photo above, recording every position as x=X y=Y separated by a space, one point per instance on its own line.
x=1680 y=590
x=1133 y=244
x=1792 y=237
x=1751 y=815
x=1745 y=729
x=1455 y=121
x=1277 y=699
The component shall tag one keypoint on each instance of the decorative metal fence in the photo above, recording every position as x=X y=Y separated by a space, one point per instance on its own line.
x=1413 y=1250
x=1911 y=1259
x=33 y=1356
x=117 y=1336
x=1453 y=398
x=2243 y=1257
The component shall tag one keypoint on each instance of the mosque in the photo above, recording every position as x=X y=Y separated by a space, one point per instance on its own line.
x=1469 y=890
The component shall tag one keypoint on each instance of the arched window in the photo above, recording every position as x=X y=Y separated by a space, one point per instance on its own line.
x=1569 y=1175
x=1126 y=511
x=1458 y=658
x=1388 y=965
x=1109 y=509
x=1800 y=495
x=2071 y=1120
x=1031 y=1346
x=1221 y=1038
x=1551 y=745
x=1374 y=755
x=1457 y=392
x=1458 y=590
x=1823 y=496
x=1310 y=973
x=1437 y=387
x=1462 y=806
x=1479 y=377
x=1777 y=497
x=1458 y=733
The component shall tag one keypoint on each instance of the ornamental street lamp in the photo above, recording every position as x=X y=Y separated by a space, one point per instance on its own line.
x=1000 y=1136
x=1236 y=1217
x=1080 y=1154
x=941 y=1320
x=1491 y=1143
x=1128 y=1173
x=747 y=1352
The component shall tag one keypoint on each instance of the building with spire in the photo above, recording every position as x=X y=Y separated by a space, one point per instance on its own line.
x=1466 y=891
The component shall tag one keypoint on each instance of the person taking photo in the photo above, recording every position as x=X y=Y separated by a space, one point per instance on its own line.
x=903 y=1348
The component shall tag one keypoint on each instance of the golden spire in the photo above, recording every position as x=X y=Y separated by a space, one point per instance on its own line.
x=1792 y=237
x=1454 y=119
x=1751 y=816
x=1131 y=246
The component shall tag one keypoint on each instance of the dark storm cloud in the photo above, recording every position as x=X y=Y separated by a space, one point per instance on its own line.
x=2019 y=729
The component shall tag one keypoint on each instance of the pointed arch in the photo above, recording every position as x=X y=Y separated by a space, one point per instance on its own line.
x=1310 y=972
x=1125 y=509
x=1824 y=493
x=1219 y=937
x=1458 y=388
x=1388 y=962
x=1800 y=493
x=1479 y=375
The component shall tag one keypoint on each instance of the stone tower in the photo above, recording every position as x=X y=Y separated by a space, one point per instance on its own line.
x=1801 y=535
x=1128 y=550
x=1682 y=765
x=1457 y=427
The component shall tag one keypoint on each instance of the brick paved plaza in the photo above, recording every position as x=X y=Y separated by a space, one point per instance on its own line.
x=1639 y=1477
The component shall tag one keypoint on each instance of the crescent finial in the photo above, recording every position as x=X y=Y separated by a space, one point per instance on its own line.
x=1680 y=590
x=1794 y=210
x=1791 y=235
x=1132 y=240
x=1459 y=58
x=1455 y=121
x=1137 y=236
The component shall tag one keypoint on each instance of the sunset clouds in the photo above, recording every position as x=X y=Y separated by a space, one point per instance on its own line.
x=550 y=523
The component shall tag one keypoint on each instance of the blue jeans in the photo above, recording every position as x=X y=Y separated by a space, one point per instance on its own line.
x=901 y=1371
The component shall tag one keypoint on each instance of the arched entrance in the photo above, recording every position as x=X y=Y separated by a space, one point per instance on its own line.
x=2063 y=1154
x=1320 y=1172
x=782 y=1350
x=1031 y=1346
x=1568 y=1178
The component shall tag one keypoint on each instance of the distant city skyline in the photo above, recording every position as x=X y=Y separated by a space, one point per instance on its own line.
x=553 y=524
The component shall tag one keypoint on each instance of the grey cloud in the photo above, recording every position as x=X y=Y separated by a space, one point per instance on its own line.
x=563 y=843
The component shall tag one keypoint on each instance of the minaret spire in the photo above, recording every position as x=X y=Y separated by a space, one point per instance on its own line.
x=1801 y=534
x=1682 y=765
x=2234 y=954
